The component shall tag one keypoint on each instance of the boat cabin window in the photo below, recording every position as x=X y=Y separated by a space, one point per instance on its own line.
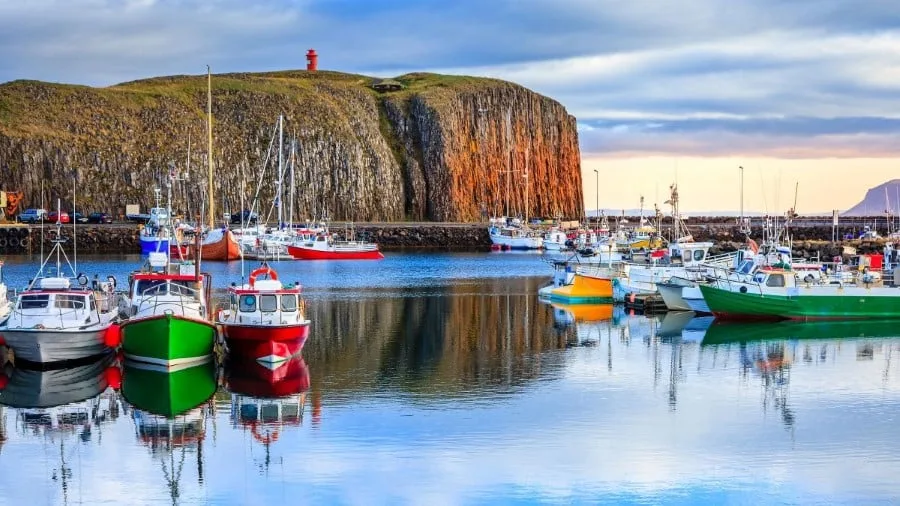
x=289 y=303
x=63 y=301
x=33 y=301
x=746 y=267
x=759 y=277
x=150 y=287
x=268 y=303
x=248 y=303
x=179 y=287
x=320 y=238
x=699 y=254
x=776 y=280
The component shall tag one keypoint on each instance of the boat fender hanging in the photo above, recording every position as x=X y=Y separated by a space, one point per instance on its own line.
x=808 y=278
x=743 y=289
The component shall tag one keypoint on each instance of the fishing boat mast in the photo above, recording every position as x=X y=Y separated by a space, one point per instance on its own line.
x=211 y=211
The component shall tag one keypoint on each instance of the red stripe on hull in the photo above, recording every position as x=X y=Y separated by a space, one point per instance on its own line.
x=312 y=254
x=257 y=381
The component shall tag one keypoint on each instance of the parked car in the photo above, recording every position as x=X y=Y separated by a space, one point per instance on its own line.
x=33 y=215
x=99 y=218
x=78 y=217
x=245 y=217
x=63 y=217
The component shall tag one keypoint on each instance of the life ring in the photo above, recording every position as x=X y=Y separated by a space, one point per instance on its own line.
x=267 y=439
x=270 y=272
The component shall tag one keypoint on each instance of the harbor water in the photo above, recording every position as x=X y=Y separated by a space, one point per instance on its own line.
x=442 y=379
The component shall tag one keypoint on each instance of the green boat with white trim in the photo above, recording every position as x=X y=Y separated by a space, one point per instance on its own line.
x=776 y=294
x=168 y=326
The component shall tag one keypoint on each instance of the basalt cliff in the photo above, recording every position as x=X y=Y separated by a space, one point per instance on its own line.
x=420 y=147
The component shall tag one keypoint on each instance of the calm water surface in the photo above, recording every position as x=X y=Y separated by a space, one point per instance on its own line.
x=441 y=379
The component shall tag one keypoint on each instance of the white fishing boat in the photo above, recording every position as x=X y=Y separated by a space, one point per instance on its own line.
x=556 y=240
x=511 y=234
x=5 y=304
x=55 y=320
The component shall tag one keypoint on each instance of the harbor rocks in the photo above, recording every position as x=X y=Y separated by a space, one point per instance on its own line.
x=441 y=148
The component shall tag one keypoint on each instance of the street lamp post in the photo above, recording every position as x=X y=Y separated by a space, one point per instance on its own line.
x=597 y=209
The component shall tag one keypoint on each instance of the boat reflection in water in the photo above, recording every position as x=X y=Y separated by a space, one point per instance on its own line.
x=170 y=409
x=59 y=404
x=265 y=401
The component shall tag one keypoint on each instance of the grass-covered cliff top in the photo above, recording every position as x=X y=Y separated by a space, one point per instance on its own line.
x=26 y=105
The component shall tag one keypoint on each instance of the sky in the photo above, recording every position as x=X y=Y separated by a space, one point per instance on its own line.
x=795 y=92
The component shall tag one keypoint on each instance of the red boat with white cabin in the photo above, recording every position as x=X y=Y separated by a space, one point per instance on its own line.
x=323 y=246
x=265 y=321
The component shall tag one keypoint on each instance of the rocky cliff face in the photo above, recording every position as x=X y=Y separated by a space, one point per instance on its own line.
x=442 y=148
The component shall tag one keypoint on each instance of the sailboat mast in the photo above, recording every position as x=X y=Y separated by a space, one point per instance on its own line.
x=211 y=211
x=280 y=193
x=291 y=203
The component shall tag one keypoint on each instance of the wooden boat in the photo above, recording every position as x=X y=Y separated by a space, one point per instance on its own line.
x=54 y=323
x=168 y=323
x=777 y=294
x=220 y=245
x=324 y=247
x=266 y=321
x=588 y=286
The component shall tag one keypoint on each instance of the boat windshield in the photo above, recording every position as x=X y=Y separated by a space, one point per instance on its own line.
x=163 y=287
x=289 y=303
x=268 y=303
x=65 y=301
x=34 y=301
x=248 y=303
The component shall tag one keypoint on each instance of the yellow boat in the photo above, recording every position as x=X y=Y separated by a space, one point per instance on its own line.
x=585 y=289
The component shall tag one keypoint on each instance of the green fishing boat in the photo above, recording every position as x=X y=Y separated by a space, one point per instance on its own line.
x=168 y=392
x=776 y=294
x=724 y=332
x=168 y=325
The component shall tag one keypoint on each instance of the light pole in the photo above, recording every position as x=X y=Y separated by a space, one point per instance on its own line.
x=597 y=209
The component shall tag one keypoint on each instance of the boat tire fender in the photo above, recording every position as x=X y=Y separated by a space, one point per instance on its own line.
x=25 y=241
x=809 y=278
x=743 y=289
x=3 y=242
x=82 y=279
x=13 y=242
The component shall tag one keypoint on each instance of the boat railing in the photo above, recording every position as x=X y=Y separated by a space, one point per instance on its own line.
x=724 y=278
x=723 y=260
x=180 y=296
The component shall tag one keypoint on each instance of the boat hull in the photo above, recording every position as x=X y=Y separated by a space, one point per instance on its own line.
x=672 y=295
x=223 y=250
x=303 y=253
x=854 y=303
x=265 y=343
x=154 y=244
x=693 y=297
x=42 y=346
x=584 y=290
x=168 y=340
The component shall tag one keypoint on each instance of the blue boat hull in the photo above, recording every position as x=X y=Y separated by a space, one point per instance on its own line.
x=151 y=244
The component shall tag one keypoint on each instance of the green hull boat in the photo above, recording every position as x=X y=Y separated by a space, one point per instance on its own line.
x=805 y=303
x=168 y=340
x=724 y=332
x=168 y=392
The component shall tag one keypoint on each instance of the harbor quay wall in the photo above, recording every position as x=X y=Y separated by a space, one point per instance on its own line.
x=123 y=238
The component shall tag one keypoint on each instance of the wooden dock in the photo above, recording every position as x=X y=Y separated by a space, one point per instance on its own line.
x=652 y=303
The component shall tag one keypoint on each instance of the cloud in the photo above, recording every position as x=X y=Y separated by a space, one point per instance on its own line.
x=606 y=60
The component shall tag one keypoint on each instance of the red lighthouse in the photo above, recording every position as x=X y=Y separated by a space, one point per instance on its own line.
x=312 y=60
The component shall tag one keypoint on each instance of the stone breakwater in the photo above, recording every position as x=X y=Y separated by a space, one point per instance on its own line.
x=122 y=239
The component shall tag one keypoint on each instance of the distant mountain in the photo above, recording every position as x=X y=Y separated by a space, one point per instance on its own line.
x=879 y=199
x=648 y=213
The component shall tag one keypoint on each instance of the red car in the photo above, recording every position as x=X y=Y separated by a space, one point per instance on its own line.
x=63 y=217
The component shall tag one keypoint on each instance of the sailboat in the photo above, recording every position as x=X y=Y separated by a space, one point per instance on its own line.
x=168 y=324
x=219 y=243
x=54 y=321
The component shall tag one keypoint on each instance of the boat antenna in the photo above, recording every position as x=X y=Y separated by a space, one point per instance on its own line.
x=243 y=228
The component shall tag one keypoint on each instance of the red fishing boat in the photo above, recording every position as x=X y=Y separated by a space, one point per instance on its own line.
x=325 y=247
x=265 y=321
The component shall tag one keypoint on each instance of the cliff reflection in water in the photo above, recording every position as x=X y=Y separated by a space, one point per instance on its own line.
x=453 y=340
